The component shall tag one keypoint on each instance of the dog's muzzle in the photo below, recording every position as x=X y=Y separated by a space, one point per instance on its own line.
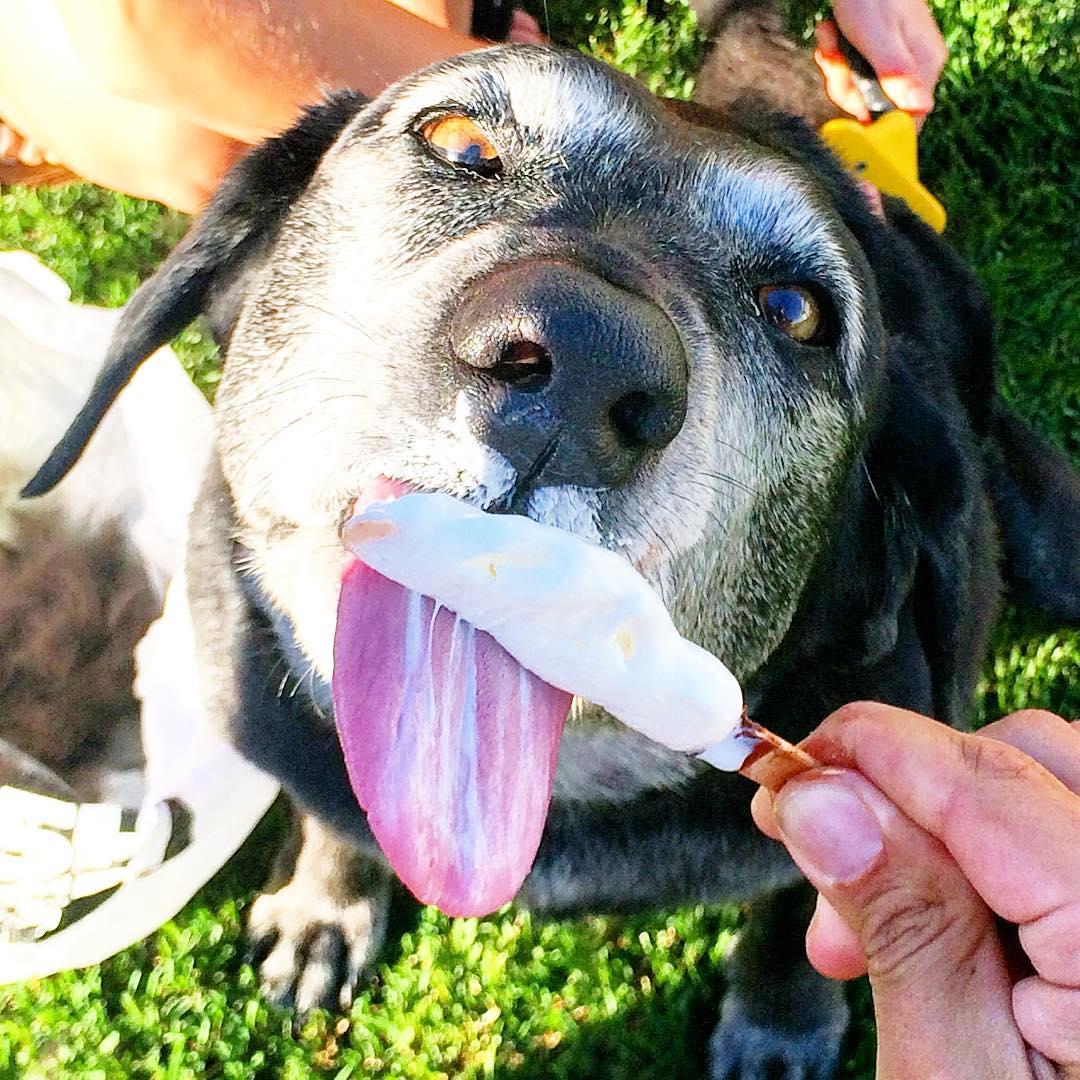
x=571 y=371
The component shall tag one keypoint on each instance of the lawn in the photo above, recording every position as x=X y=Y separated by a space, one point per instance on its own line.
x=515 y=996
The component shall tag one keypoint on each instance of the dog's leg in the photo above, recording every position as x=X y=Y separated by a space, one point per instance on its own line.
x=317 y=932
x=780 y=1019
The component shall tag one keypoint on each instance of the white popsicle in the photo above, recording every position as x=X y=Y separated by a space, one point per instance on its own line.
x=578 y=616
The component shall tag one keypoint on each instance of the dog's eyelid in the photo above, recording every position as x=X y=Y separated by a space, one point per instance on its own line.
x=446 y=107
x=484 y=116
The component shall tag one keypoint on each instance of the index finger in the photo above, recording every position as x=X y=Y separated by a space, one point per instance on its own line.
x=1012 y=827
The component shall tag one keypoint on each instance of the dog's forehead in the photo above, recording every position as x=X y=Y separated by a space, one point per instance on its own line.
x=601 y=149
x=574 y=110
x=550 y=93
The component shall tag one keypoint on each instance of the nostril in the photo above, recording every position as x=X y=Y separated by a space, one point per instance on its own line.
x=524 y=365
x=642 y=421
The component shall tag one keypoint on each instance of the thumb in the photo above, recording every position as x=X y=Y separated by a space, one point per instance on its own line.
x=941 y=989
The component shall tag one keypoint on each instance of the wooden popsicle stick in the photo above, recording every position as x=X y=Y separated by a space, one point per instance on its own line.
x=772 y=761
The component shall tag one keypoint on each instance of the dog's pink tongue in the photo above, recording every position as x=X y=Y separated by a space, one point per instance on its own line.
x=450 y=743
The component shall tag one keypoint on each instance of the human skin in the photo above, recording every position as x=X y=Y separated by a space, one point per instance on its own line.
x=158 y=99
x=948 y=869
x=246 y=68
x=900 y=40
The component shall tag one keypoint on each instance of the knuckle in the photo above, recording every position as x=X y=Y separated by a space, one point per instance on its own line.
x=996 y=762
x=1018 y=727
x=858 y=712
x=849 y=712
x=862 y=722
x=902 y=932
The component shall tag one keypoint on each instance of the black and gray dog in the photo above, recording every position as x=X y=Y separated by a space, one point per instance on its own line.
x=518 y=278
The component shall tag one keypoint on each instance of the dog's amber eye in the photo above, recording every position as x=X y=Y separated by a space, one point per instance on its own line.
x=794 y=310
x=461 y=141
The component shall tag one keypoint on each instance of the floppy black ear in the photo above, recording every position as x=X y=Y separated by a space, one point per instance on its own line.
x=240 y=222
x=1036 y=495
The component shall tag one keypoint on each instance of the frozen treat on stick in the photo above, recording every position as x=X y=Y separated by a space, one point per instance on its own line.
x=578 y=616
x=461 y=638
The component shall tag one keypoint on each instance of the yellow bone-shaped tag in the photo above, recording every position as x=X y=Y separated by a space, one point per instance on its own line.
x=885 y=154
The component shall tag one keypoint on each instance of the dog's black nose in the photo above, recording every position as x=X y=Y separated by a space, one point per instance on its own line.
x=574 y=371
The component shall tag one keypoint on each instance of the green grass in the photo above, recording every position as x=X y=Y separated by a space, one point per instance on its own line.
x=515 y=996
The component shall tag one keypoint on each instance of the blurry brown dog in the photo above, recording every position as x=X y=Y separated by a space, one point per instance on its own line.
x=72 y=606
x=750 y=52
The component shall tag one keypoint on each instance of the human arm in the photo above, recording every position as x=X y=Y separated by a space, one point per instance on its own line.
x=205 y=79
x=244 y=68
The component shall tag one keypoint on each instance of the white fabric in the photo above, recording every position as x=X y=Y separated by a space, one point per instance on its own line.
x=142 y=467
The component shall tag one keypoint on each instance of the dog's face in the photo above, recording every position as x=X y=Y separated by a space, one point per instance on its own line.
x=520 y=279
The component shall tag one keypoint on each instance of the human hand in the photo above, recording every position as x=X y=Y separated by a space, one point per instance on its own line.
x=948 y=869
x=900 y=40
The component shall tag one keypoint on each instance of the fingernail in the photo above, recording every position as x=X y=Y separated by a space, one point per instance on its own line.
x=908 y=93
x=829 y=830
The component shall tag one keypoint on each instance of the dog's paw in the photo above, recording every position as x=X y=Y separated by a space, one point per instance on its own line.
x=311 y=949
x=743 y=1047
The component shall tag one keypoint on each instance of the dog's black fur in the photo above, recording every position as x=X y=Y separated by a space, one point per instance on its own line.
x=896 y=606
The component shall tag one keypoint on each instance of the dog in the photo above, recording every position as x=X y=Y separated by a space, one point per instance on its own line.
x=518 y=278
